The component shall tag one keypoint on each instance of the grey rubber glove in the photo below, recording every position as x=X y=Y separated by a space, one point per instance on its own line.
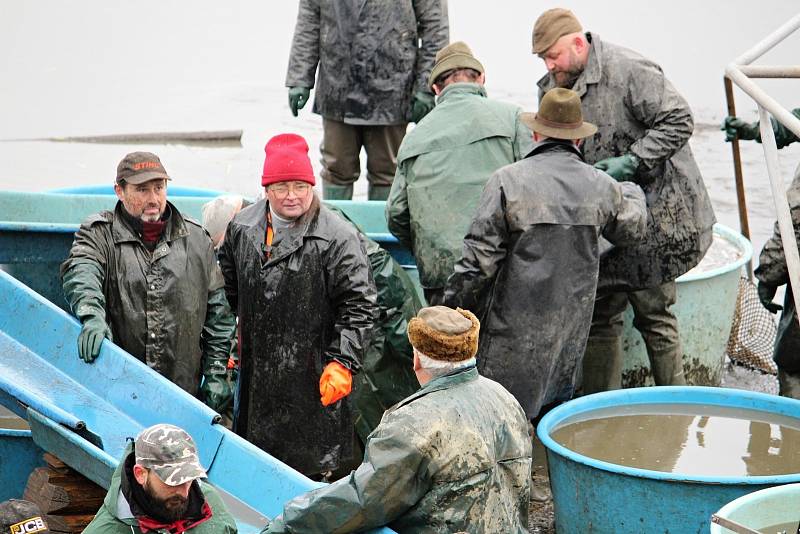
x=298 y=96
x=216 y=392
x=622 y=168
x=94 y=331
x=766 y=293
x=422 y=105
x=734 y=127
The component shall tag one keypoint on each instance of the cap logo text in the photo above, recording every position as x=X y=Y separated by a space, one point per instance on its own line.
x=34 y=524
x=145 y=165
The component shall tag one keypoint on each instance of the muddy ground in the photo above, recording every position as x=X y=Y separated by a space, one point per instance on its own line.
x=541 y=512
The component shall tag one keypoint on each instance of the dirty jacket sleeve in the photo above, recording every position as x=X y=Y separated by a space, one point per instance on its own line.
x=227 y=264
x=628 y=223
x=218 y=332
x=304 y=56
x=772 y=269
x=523 y=139
x=353 y=295
x=397 y=214
x=653 y=101
x=392 y=478
x=83 y=272
x=484 y=250
x=434 y=32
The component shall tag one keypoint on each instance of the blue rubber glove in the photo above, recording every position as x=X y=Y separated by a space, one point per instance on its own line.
x=298 y=96
x=93 y=332
x=622 y=168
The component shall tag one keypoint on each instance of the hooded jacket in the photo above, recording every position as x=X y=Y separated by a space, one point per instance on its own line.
x=442 y=166
x=373 y=55
x=312 y=302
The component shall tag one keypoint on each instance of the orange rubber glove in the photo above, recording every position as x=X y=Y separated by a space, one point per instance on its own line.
x=335 y=383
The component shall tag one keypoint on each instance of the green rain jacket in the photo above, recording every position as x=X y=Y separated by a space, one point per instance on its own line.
x=454 y=456
x=386 y=376
x=115 y=517
x=442 y=166
x=167 y=308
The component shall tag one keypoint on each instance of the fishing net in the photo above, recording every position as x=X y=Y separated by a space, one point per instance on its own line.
x=753 y=331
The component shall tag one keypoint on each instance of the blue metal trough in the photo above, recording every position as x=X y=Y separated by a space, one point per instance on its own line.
x=594 y=496
x=84 y=413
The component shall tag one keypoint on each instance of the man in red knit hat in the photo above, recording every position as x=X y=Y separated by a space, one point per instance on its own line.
x=298 y=278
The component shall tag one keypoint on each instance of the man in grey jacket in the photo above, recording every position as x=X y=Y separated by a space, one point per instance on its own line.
x=644 y=127
x=530 y=261
x=374 y=57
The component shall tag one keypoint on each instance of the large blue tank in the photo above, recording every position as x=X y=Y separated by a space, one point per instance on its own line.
x=594 y=496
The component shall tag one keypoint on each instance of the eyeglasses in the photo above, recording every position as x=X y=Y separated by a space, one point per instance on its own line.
x=282 y=190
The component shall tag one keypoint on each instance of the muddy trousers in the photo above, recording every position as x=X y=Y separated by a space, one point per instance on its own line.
x=652 y=317
x=341 y=151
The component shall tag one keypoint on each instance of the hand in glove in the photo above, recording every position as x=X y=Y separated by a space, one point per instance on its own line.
x=766 y=293
x=298 y=96
x=422 y=104
x=216 y=392
x=335 y=383
x=622 y=168
x=737 y=127
x=94 y=331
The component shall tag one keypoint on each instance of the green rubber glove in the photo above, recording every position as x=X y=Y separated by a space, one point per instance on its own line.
x=422 y=104
x=94 y=331
x=216 y=392
x=298 y=96
x=734 y=127
x=622 y=168
x=766 y=293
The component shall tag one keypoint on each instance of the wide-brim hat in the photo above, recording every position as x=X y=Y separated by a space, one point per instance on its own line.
x=445 y=334
x=559 y=116
x=454 y=56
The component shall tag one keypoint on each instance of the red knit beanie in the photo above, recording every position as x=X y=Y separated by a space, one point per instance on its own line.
x=287 y=159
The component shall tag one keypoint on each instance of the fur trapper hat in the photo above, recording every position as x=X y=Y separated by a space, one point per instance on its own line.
x=445 y=334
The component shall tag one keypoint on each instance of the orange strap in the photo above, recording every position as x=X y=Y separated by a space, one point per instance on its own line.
x=270 y=235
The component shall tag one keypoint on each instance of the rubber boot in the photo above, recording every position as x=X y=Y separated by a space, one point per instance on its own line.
x=667 y=366
x=378 y=192
x=337 y=192
x=602 y=364
x=788 y=384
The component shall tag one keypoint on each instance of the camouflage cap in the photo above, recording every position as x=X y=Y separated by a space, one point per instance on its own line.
x=21 y=517
x=170 y=452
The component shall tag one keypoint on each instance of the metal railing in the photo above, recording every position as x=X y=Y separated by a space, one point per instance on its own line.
x=741 y=72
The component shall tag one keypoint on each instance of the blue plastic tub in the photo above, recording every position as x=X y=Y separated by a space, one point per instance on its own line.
x=595 y=496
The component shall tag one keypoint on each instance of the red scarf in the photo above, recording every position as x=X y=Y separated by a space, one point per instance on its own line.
x=147 y=524
x=151 y=231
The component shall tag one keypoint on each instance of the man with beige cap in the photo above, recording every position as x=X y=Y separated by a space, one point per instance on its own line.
x=530 y=260
x=446 y=160
x=454 y=456
x=644 y=126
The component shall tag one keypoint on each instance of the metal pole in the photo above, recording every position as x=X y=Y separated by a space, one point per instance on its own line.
x=769 y=41
x=763 y=99
x=785 y=225
x=744 y=225
x=770 y=71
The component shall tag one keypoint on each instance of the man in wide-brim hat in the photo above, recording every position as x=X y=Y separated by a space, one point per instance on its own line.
x=529 y=265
